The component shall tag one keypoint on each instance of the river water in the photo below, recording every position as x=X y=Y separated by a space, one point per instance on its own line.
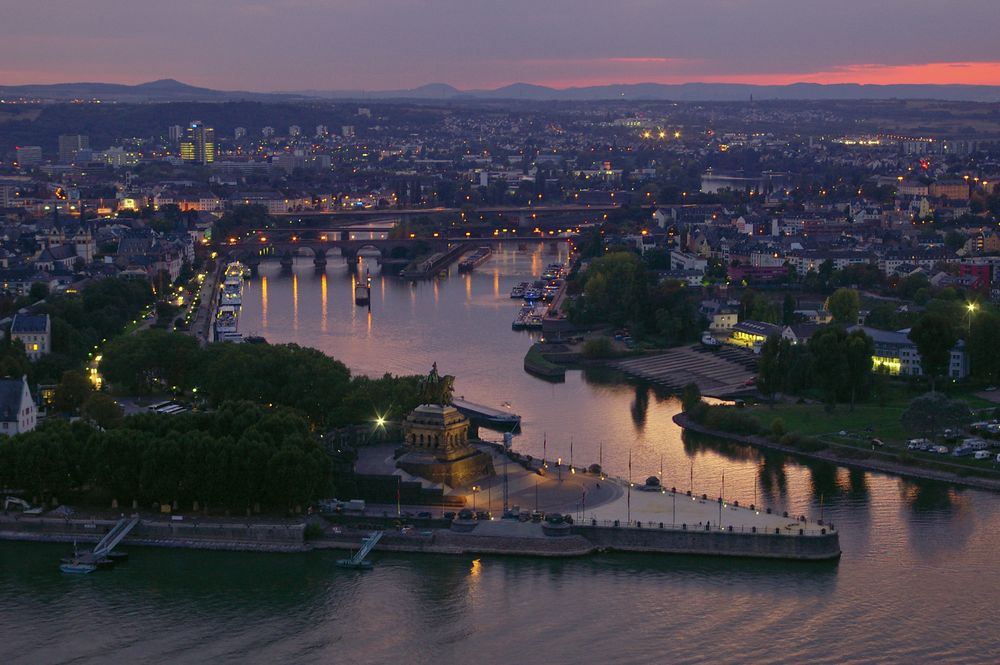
x=917 y=582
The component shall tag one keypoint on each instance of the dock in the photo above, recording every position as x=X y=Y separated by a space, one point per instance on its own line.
x=486 y=413
x=718 y=373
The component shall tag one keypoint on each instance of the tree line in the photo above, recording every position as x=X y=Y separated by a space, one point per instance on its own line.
x=79 y=322
x=318 y=386
x=618 y=289
x=239 y=458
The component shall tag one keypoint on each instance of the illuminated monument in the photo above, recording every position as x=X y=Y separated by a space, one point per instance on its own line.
x=436 y=438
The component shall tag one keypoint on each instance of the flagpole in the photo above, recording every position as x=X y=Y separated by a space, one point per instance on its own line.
x=722 y=494
x=628 y=500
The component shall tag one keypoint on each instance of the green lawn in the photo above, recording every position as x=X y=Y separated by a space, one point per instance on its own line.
x=813 y=419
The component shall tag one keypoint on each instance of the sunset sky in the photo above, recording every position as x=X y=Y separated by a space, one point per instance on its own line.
x=389 y=44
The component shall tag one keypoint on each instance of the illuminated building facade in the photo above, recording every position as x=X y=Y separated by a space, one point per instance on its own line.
x=198 y=144
x=899 y=356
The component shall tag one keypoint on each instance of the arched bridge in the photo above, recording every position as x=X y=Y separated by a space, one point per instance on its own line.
x=252 y=250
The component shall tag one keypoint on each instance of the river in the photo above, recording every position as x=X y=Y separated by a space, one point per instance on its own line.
x=917 y=581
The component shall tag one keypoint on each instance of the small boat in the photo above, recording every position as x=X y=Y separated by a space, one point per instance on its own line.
x=363 y=291
x=77 y=568
x=518 y=291
x=532 y=293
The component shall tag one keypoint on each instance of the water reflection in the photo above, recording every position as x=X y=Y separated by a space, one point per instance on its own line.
x=323 y=303
x=640 y=405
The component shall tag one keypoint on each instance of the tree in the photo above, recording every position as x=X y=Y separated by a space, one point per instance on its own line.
x=769 y=370
x=102 y=410
x=38 y=291
x=829 y=361
x=844 y=305
x=788 y=310
x=690 y=397
x=932 y=412
x=72 y=391
x=983 y=335
x=858 y=350
x=934 y=337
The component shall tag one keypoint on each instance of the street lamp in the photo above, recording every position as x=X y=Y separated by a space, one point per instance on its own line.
x=475 y=490
x=971 y=307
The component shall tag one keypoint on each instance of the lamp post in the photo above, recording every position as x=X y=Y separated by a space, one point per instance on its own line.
x=971 y=307
x=475 y=490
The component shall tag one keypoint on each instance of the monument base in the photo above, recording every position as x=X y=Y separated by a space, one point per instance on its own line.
x=457 y=472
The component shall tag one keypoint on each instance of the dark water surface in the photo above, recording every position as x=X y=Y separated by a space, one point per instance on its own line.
x=918 y=581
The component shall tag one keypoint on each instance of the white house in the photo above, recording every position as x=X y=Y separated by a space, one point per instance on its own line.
x=18 y=412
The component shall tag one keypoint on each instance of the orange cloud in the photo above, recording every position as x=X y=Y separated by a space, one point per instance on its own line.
x=966 y=73
x=607 y=71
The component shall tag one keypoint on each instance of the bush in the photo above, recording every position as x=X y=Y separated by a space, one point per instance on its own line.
x=727 y=419
x=597 y=347
x=803 y=443
x=313 y=531
x=778 y=429
x=690 y=397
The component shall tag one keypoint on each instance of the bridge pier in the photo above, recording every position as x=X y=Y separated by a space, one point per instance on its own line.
x=319 y=259
x=287 y=260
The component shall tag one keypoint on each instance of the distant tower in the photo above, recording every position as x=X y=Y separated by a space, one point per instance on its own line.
x=294 y=131
x=175 y=133
x=267 y=132
x=198 y=144
x=239 y=133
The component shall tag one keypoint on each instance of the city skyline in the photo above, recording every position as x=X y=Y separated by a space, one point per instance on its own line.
x=284 y=45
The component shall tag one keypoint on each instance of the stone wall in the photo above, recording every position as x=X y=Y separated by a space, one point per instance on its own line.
x=194 y=534
x=716 y=543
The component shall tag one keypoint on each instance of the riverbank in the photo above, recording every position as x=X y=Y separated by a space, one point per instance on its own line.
x=537 y=364
x=248 y=536
x=850 y=456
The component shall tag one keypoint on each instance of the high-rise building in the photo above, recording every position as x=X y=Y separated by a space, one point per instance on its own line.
x=267 y=132
x=175 y=132
x=294 y=131
x=347 y=131
x=198 y=144
x=239 y=133
x=321 y=131
x=70 y=145
x=29 y=155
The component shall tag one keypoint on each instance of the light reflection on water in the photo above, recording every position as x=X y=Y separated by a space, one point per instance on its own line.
x=917 y=581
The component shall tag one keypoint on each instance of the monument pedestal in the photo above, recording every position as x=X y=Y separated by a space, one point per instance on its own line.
x=436 y=447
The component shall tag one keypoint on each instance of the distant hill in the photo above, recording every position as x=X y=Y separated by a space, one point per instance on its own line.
x=164 y=90
x=171 y=90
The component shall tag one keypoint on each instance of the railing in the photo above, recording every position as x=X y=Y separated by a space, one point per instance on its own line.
x=816 y=528
x=706 y=527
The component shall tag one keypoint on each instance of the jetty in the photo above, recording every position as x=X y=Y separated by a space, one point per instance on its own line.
x=487 y=414
x=101 y=556
x=358 y=560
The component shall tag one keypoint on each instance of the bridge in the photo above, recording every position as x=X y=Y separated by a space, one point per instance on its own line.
x=514 y=211
x=258 y=245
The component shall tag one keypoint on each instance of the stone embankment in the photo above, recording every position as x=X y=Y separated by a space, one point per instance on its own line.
x=844 y=455
x=236 y=536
